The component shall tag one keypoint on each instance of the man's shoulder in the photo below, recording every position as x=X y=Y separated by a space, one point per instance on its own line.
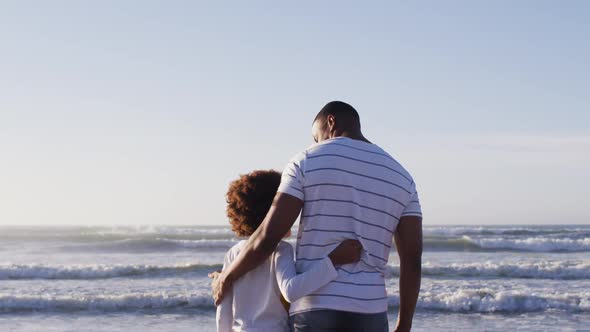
x=394 y=163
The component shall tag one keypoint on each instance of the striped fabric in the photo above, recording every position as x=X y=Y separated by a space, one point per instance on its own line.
x=351 y=190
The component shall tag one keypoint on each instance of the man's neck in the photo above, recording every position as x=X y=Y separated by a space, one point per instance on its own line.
x=356 y=136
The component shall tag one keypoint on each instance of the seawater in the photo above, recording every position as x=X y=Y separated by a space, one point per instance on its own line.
x=485 y=278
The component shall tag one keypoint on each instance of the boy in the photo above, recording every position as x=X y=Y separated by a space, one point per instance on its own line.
x=255 y=301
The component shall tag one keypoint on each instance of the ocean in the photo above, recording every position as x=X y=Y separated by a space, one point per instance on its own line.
x=483 y=278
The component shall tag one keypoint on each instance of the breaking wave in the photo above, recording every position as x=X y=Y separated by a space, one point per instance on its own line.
x=481 y=301
x=530 y=244
x=537 y=244
x=98 y=271
x=125 y=302
x=561 y=270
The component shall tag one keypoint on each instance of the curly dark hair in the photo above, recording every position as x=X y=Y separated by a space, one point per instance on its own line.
x=249 y=198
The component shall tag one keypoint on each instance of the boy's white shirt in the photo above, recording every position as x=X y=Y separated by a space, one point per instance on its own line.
x=254 y=302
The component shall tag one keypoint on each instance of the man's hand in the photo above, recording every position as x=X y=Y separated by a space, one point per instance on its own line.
x=402 y=329
x=219 y=286
x=215 y=286
x=348 y=251
x=214 y=275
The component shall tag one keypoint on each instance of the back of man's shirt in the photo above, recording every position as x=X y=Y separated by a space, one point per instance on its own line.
x=351 y=190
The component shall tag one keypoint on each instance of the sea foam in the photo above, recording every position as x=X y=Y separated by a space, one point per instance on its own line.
x=98 y=271
x=537 y=244
x=565 y=270
x=123 y=302
x=488 y=300
x=479 y=300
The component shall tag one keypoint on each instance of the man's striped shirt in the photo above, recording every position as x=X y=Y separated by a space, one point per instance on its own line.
x=351 y=190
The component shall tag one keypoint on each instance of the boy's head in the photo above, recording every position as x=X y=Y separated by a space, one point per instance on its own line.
x=249 y=198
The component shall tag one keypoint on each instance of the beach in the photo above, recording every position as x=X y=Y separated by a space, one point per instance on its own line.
x=483 y=278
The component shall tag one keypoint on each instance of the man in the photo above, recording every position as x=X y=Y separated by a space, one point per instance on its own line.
x=348 y=188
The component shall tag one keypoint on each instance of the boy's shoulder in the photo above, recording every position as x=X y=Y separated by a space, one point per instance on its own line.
x=283 y=246
x=234 y=251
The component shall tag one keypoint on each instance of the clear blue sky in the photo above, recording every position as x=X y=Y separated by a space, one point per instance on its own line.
x=141 y=112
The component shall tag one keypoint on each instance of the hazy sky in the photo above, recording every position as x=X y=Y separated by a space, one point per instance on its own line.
x=141 y=112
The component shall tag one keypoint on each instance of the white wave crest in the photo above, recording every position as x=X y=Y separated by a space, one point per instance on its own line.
x=96 y=271
x=480 y=300
x=488 y=301
x=537 y=244
x=125 y=302
x=499 y=230
x=533 y=270
x=150 y=245
x=201 y=244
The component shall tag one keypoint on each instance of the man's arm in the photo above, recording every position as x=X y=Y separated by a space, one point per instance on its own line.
x=262 y=243
x=408 y=240
x=294 y=286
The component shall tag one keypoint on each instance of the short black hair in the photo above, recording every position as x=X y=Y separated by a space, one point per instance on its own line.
x=337 y=108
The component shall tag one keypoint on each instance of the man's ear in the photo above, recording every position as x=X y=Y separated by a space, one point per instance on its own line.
x=331 y=123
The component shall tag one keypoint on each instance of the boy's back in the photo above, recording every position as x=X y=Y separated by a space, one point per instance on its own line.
x=256 y=296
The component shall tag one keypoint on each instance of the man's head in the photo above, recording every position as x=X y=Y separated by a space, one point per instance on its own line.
x=249 y=198
x=336 y=119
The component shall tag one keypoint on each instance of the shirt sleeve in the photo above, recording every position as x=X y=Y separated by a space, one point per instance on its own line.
x=293 y=177
x=224 y=315
x=293 y=286
x=413 y=207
